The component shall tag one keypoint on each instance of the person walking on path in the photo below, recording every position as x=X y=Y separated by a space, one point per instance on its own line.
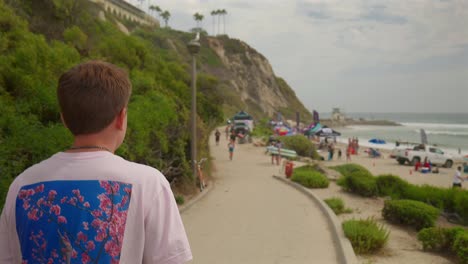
x=458 y=179
x=86 y=203
x=217 y=136
x=233 y=137
x=231 y=146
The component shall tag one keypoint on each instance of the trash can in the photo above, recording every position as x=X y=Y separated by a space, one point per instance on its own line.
x=288 y=170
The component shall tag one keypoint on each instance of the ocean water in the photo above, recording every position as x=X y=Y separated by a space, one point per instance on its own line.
x=447 y=130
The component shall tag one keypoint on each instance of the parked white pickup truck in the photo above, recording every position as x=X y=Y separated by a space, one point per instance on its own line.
x=418 y=153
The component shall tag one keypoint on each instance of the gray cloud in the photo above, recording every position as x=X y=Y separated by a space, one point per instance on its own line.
x=378 y=13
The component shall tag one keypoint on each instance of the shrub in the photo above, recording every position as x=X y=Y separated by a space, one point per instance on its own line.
x=438 y=239
x=413 y=213
x=309 y=177
x=301 y=145
x=461 y=204
x=337 y=205
x=358 y=181
x=460 y=247
x=179 y=199
x=350 y=169
x=442 y=198
x=448 y=240
x=366 y=236
x=391 y=185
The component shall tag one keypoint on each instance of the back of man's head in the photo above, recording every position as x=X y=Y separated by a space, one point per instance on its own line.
x=91 y=95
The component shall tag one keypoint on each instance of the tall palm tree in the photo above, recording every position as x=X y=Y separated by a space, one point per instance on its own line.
x=166 y=15
x=198 y=18
x=224 y=13
x=213 y=14
x=218 y=13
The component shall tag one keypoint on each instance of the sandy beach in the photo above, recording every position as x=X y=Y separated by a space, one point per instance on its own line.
x=403 y=246
x=387 y=165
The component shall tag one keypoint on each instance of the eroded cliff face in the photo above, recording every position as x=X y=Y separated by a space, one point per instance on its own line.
x=251 y=76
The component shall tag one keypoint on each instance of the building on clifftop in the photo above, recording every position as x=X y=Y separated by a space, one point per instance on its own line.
x=127 y=11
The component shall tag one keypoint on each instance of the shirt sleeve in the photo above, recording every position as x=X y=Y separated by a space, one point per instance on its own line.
x=5 y=252
x=165 y=238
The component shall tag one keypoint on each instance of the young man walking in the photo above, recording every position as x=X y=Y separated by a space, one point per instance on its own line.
x=85 y=204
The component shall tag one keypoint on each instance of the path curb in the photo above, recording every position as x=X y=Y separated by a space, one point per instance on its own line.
x=197 y=198
x=345 y=250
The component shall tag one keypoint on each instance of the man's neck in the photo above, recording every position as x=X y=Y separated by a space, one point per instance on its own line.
x=88 y=143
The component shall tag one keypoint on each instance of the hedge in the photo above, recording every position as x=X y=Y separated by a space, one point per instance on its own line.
x=447 y=240
x=309 y=177
x=359 y=180
x=409 y=212
x=391 y=185
x=366 y=236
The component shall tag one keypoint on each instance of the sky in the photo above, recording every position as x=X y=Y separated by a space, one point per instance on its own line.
x=358 y=55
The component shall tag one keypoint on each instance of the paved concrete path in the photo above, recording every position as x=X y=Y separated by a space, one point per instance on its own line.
x=249 y=217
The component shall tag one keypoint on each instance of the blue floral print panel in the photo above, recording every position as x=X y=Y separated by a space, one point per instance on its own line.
x=72 y=221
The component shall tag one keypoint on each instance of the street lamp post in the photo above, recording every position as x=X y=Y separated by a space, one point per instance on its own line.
x=194 y=47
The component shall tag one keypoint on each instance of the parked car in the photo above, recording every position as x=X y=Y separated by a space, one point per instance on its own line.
x=418 y=153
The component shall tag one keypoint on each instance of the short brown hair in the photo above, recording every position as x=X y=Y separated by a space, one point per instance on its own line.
x=91 y=95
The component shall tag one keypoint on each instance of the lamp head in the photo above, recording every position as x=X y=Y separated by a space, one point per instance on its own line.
x=193 y=47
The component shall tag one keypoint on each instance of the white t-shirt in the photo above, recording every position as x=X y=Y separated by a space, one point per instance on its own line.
x=457 y=177
x=91 y=207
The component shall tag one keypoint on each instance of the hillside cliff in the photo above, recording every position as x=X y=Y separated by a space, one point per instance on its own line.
x=251 y=76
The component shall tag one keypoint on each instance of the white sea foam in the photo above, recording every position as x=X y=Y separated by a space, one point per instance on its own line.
x=434 y=125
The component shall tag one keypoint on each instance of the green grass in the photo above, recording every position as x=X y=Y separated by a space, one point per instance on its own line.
x=366 y=236
x=309 y=177
x=337 y=205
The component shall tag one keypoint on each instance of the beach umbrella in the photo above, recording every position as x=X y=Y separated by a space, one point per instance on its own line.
x=377 y=141
x=327 y=132
x=242 y=115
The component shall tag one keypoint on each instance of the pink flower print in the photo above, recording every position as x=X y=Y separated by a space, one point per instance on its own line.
x=105 y=201
x=85 y=226
x=106 y=185
x=86 y=205
x=61 y=220
x=64 y=199
x=76 y=192
x=24 y=262
x=100 y=236
x=97 y=213
x=81 y=198
x=72 y=201
x=40 y=201
x=116 y=187
x=52 y=195
x=33 y=214
x=26 y=205
x=39 y=188
x=51 y=261
x=74 y=254
x=54 y=253
x=31 y=192
x=82 y=237
x=112 y=248
x=85 y=258
x=90 y=246
x=23 y=194
x=55 y=209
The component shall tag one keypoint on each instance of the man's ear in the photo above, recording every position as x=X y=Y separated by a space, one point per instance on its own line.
x=120 y=119
x=63 y=120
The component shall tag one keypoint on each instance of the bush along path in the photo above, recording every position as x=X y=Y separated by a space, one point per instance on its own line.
x=412 y=205
x=249 y=217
